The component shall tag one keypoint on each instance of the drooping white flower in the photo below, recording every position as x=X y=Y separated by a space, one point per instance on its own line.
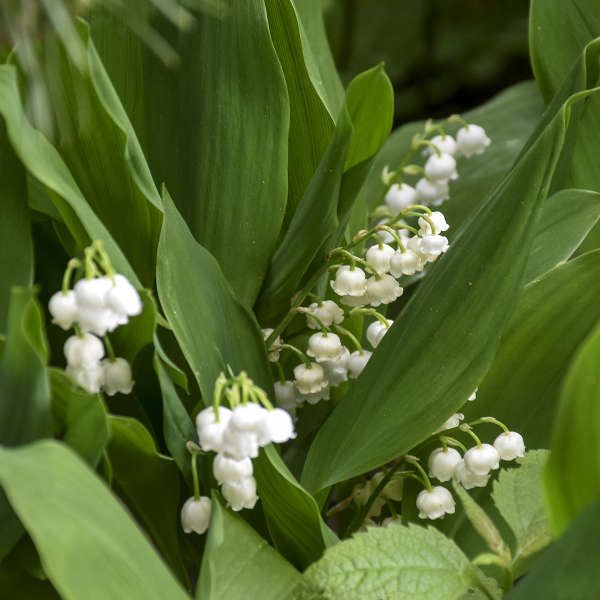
x=117 y=376
x=436 y=503
x=91 y=293
x=355 y=301
x=226 y=468
x=278 y=427
x=376 y=331
x=240 y=494
x=443 y=462
x=467 y=478
x=274 y=354
x=414 y=244
x=248 y=417
x=309 y=380
x=452 y=422
x=325 y=346
x=429 y=192
x=349 y=281
x=328 y=312
x=286 y=396
x=434 y=245
x=386 y=236
x=438 y=220
x=83 y=351
x=122 y=297
x=379 y=258
x=99 y=321
x=398 y=197
x=405 y=263
x=239 y=444
x=383 y=290
x=481 y=460
x=357 y=362
x=440 y=169
x=63 y=308
x=195 y=515
x=473 y=395
x=210 y=431
x=208 y=416
x=316 y=397
x=471 y=140
x=336 y=371
x=510 y=445
x=446 y=144
x=90 y=377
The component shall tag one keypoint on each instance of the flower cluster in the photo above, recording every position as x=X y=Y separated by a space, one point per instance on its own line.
x=98 y=303
x=237 y=433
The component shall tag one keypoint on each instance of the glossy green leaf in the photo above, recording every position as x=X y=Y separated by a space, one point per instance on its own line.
x=565 y=220
x=370 y=102
x=98 y=144
x=568 y=569
x=16 y=258
x=149 y=484
x=554 y=315
x=80 y=525
x=79 y=418
x=311 y=124
x=43 y=162
x=238 y=564
x=572 y=478
x=426 y=367
x=382 y=563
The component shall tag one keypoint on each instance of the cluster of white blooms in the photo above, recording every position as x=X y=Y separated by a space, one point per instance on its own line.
x=97 y=304
x=237 y=433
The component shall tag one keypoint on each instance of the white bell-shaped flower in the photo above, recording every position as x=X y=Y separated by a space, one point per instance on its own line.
x=467 y=478
x=440 y=169
x=443 y=462
x=117 y=376
x=446 y=144
x=471 y=140
x=328 y=312
x=248 y=417
x=210 y=431
x=286 y=396
x=240 y=494
x=336 y=371
x=63 y=308
x=83 y=350
x=91 y=293
x=355 y=301
x=310 y=380
x=274 y=354
x=510 y=445
x=195 y=515
x=99 y=321
x=436 y=503
x=481 y=460
x=239 y=444
x=379 y=258
x=398 y=197
x=429 y=192
x=414 y=244
x=383 y=290
x=357 y=362
x=405 y=263
x=376 y=331
x=90 y=377
x=208 y=416
x=349 y=281
x=434 y=245
x=278 y=427
x=452 y=422
x=226 y=468
x=315 y=397
x=325 y=346
x=386 y=236
x=438 y=220
x=123 y=298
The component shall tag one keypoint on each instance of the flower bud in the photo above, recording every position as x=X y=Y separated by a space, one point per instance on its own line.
x=195 y=515
x=274 y=354
x=510 y=445
x=349 y=281
x=440 y=169
x=226 y=468
x=446 y=144
x=357 y=362
x=398 y=197
x=240 y=494
x=325 y=346
x=117 y=376
x=383 y=290
x=63 y=308
x=328 y=313
x=481 y=460
x=443 y=462
x=452 y=422
x=470 y=140
x=376 y=331
x=435 y=504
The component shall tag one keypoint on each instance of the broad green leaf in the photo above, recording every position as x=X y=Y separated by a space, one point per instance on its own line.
x=568 y=570
x=518 y=495
x=44 y=163
x=397 y=562
x=16 y=258
x=98 y=144
x=370 y=102
x=77 y=524
x=565 y=219
x=572 y=478
x=178 y=428
x=79 y=418
x=311 y=124
x=238 y=564
x=553 y=317
x=149 y=483
x=426 y=367
x=312 y=224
